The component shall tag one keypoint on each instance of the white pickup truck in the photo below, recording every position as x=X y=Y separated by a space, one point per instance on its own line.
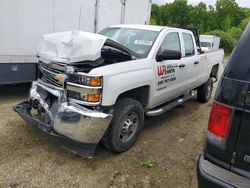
x=98 y=87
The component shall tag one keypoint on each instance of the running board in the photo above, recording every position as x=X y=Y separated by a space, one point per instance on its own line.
x=169 y=106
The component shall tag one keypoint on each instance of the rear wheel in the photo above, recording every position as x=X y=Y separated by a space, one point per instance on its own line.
x=204 y=92
x=125 y=126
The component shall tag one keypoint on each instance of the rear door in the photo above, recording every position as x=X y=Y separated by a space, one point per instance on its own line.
x=188 y=66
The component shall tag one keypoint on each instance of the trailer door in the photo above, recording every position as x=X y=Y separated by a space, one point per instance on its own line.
x=109 y=13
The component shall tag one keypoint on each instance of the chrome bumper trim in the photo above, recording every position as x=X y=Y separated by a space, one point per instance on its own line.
x=70 y=119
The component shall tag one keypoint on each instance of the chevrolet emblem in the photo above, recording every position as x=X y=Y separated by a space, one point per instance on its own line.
x=60 y=78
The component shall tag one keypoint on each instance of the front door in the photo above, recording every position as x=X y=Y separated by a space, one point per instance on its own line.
x=168 y=73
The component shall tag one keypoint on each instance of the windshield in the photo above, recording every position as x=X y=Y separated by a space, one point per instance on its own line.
x=206 y=44
x=138 y=41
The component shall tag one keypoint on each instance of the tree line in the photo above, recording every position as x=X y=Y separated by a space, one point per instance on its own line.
x=226 y=19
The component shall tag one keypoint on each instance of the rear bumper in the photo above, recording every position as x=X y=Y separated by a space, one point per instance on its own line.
x=211 y=175
x=79 y=129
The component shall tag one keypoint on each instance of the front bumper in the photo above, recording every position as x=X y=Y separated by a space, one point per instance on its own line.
x=72 y=123
x=211 y=175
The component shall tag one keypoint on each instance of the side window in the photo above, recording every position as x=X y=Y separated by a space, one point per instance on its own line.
x=189 y=44
x=171 y=42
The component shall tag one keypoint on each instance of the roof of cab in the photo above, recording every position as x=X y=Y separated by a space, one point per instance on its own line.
x=146 y=27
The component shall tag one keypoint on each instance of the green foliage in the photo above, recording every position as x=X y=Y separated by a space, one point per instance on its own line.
x=147 y=163
x=244 y=23
x=229 y=10
x=235 y=32
x=226 y=20
x=227 y=23
x=155 y=15
x=179 y=13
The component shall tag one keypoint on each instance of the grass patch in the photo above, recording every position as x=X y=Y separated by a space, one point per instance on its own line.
x=147 y=163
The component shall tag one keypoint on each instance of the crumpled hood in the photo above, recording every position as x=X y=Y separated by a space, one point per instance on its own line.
x=71 y=46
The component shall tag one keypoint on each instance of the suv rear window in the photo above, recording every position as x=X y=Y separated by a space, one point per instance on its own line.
x=239 y=64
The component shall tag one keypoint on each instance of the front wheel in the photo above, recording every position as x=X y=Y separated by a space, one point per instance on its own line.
x=204 y=92
x=125 y=126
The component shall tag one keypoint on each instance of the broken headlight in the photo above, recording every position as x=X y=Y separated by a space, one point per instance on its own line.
x=85 y=89
x=95 y=81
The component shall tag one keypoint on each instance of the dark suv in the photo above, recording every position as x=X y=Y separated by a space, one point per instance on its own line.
x=226 y=158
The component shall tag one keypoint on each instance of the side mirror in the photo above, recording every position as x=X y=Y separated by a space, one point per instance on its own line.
x=168 y=55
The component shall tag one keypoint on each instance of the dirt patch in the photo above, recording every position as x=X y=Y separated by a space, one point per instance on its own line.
x=164 y=156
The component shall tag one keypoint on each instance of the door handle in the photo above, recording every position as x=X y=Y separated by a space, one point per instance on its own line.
x=182 y=66
x=196 y=62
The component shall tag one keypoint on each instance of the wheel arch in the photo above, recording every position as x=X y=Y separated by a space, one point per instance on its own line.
x=141 y=94
x=214 y=71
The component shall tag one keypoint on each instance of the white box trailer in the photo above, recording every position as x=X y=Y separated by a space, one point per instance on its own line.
x=22 y=22
x=209 y=42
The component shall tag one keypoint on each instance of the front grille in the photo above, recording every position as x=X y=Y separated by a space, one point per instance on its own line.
x=56 y=67
x=52 y=73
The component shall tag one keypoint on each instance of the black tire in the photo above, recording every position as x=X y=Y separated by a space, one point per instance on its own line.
x=121 y=135
x=204 y=92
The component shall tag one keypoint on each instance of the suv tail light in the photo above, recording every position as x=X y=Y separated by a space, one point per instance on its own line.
x=219 y=120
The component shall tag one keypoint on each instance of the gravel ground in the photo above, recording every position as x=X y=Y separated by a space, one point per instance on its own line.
x=164 y=156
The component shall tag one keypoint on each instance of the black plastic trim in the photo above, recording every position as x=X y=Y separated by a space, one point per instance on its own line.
x=210 y=175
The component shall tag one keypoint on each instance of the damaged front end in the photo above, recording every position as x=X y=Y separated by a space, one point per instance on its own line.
x=65 y=101
x=80 y=129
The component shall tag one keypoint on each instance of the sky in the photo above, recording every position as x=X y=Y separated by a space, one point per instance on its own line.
x=242 y=3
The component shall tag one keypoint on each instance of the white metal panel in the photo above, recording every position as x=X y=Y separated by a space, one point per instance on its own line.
x=8 y=26
x=62 y=12
x=137 y=12
x=18 y=59
x=22 y=23
x=44 y=17
x=109 y=13
x=74 y=15
x=34 y=19
x=87 y=9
